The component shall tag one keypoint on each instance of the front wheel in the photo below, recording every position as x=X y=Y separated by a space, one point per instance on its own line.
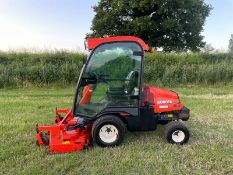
x=176 y=133
x=108 y=131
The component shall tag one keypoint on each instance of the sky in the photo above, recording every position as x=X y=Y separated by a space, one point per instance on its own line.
x=62 y=24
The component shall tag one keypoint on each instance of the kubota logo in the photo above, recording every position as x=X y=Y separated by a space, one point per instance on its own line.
x=164 y=102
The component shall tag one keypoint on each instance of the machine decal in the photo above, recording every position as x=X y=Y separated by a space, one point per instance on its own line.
x=164 y=102
x=162 y=107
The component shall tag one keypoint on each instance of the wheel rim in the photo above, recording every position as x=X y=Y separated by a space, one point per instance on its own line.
x=178 y=136
x=108 y=133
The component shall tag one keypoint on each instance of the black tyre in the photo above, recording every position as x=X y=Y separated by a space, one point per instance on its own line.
x=176 y=133
x=45 y=138
x=108 y=131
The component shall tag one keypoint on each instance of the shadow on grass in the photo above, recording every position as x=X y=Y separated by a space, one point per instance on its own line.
x=144 y=136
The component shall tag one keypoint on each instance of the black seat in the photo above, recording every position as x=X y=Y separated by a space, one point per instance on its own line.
x=130 y=83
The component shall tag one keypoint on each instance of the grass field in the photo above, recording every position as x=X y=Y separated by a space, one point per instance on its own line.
x=210 y=150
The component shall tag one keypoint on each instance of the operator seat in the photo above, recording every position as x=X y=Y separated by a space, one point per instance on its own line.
x=130 y=83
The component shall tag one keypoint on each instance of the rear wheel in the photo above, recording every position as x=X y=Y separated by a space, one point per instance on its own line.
x=108 y=131
x=176 y=133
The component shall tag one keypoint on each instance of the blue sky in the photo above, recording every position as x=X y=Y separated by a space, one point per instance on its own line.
x=49 y=24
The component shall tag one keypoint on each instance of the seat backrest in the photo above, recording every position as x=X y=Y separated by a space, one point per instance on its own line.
x=132 y=81
x=86 y=95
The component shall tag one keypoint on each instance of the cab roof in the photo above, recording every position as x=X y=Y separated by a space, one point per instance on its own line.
x=92 y=43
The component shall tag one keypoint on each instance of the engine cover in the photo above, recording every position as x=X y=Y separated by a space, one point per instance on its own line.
x=162 y=100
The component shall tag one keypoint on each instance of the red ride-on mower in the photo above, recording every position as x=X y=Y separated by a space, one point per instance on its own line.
x=112 y=97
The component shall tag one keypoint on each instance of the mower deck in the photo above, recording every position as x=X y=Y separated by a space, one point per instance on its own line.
x=66 y=135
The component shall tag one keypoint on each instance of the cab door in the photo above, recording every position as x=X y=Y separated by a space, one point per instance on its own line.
x=110 y=80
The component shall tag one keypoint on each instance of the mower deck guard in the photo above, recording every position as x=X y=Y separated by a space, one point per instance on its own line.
x=66 y=135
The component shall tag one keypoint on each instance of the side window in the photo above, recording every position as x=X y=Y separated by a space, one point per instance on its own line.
x=111 y=78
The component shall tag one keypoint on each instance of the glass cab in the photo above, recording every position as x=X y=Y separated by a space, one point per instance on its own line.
x=110 y=79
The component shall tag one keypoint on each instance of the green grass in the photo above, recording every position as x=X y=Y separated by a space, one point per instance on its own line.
x=210 y=150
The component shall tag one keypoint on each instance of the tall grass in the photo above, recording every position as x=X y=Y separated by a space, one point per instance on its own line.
x=63 y=68
x=39 y=69
x=183 y=69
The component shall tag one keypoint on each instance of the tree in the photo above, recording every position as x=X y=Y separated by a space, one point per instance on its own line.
x=208 y=48
x=231 y=44
x=175 y=25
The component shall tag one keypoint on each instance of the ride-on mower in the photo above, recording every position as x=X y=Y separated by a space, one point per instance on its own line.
x=112 y=97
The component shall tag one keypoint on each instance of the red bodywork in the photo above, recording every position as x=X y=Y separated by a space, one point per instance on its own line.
x=63 y=140
x=92 y=43
x=162 y=100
